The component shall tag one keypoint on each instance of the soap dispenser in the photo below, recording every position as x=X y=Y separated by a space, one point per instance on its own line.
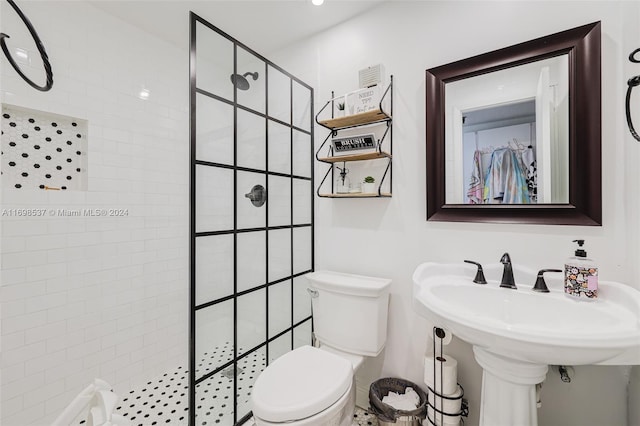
x=581 y=275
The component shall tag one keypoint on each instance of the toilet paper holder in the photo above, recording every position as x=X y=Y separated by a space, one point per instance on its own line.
x=436 y=397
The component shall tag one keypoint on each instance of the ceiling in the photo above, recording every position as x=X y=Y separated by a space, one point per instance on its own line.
x=263 y=25
x=508 y=111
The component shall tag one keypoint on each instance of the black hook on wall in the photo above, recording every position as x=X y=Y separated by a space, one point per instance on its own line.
x=43 y=53
x=631 y=83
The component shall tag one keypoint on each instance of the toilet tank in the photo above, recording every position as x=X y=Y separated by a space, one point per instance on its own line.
x=350 y=311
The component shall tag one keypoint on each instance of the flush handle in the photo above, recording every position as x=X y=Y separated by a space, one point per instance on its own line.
x=313 y=293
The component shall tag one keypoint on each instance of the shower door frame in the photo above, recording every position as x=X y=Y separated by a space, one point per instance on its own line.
x=194 y=20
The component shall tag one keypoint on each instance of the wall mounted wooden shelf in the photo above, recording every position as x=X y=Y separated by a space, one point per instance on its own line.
x=355 y=157
x=357 y=195
x=369 y=117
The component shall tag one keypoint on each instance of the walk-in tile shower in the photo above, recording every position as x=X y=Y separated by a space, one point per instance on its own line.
x=251 y=221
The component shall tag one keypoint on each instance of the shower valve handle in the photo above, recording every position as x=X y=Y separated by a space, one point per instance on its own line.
x=313 y=293
x=257 y=196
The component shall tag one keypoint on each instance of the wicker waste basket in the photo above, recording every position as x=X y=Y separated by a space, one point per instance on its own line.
x=386 y=414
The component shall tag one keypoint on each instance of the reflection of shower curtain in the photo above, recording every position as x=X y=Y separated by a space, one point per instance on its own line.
x=476 y=185
x=531 y=168
x=505 y=182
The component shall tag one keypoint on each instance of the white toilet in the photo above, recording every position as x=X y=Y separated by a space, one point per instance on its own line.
x=316 y=386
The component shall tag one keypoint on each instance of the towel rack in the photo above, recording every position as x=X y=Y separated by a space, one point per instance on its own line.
x=631 y=83
x=43 y=53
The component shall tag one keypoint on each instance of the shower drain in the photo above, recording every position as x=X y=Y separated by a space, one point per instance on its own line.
x=229 y=372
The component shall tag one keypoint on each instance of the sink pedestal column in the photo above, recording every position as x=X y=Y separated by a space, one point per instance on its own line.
x=508 y=390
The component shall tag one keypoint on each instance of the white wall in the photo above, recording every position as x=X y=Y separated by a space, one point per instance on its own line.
x=632 y=35
x=100 y=297
x=390 y=237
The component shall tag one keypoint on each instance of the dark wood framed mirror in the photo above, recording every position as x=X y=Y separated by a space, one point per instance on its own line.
x=564 y=181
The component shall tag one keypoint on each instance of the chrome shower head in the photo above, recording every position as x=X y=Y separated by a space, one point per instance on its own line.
x=241 y=82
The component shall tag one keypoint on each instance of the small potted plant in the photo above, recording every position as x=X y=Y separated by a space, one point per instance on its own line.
x=340 y=109
x=369 y=185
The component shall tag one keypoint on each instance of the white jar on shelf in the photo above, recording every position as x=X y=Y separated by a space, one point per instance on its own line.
x=369 y=185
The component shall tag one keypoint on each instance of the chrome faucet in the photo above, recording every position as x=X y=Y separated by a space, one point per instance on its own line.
x=507 y=274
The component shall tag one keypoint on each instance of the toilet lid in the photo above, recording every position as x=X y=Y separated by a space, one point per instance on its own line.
x=299 y=384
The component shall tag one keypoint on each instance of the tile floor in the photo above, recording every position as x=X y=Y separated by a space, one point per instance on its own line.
x=364 y=418
x=164 y=400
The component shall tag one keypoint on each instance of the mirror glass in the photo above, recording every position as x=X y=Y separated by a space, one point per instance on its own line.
x=514 y=135
x=506 y=135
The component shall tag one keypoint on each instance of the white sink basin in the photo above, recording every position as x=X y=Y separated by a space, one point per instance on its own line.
x=516 y=334
x=544 y=328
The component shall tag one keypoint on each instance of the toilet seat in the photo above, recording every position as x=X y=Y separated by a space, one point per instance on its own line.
x=300 y=384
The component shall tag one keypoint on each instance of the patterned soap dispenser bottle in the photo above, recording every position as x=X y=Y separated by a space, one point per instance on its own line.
x=581 y=275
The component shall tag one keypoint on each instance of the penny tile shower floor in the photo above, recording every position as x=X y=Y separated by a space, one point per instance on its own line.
x=164 y=400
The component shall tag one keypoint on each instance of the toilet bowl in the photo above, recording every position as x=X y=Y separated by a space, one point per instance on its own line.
x=315 y=386
x=305 y=387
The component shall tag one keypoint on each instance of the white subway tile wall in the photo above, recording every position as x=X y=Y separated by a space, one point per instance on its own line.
x=279 y=147
x=251 y=140
x=251 y=252
x=251 y=324
x=214 y=329
x=279 y=101
x=97 y=286
x=215 y=134
x=279 y=308
x=279 y=204
x=254 y=98
x=301 y=154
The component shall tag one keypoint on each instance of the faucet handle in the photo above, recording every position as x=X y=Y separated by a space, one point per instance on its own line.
x=540 y=284
x=479 y=278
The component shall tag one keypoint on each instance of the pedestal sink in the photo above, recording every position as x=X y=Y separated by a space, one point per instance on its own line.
x=516 y=334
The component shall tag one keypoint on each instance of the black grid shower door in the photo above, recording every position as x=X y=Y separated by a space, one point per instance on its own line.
x=251 y=134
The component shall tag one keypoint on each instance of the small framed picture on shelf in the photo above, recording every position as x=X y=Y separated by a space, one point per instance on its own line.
x=363 y=100
x=349 y=144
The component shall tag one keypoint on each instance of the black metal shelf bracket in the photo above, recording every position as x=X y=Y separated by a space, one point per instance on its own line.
x=43 y=53
x=631 y=83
